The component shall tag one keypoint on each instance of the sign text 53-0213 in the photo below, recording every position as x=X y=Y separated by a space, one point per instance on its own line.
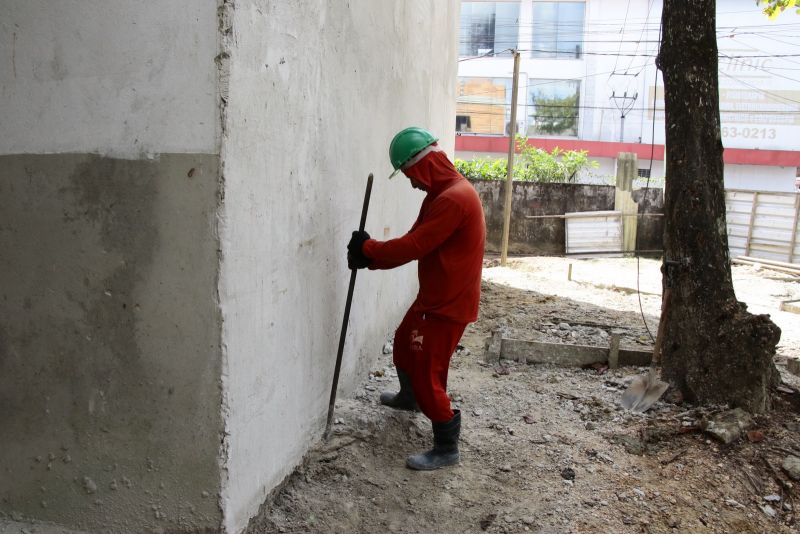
x=748 y=133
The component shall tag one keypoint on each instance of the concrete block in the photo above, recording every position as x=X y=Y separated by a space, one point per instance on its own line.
x=567 y=355
x=493 y=347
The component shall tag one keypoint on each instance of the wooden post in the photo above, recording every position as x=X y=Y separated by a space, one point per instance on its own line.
x=794 y=227
x=613 y=352
x=751 y=224
x=623 y=199
x=510 y=175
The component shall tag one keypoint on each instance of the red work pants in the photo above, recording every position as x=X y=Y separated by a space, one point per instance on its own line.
x=423 y=346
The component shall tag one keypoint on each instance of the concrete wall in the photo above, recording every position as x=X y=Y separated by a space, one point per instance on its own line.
x=316 y=91
x=545 y=236
x=108 y=77
x=177 y=186
x=109 y=331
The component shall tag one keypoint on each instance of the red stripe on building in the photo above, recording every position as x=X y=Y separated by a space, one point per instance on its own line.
x=607 y=149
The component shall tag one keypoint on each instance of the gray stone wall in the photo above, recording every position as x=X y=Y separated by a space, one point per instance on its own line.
x=545 y=236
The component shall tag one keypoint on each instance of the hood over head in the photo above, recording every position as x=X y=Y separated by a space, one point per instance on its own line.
x=434 y=172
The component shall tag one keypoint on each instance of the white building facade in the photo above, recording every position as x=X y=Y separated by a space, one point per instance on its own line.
x=588 y=81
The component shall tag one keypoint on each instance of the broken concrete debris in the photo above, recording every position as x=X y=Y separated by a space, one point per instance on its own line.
x=729 y=425
x=791 y=464
x=793 y=365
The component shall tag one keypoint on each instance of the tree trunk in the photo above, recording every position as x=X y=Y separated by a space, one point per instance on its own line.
x=715 y=351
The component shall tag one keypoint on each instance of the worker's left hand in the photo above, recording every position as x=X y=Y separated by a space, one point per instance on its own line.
x=355 y=256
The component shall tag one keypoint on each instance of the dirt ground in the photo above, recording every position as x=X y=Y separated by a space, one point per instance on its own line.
x=547 y=449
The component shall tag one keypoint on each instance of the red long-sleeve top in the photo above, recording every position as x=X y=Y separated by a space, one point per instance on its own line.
x=447 y=239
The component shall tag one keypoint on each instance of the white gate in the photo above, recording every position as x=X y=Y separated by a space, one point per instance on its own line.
x=594 y=232
x=763 y=225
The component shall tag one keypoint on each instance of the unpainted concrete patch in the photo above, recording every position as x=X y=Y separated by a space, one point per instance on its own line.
x=109 y=341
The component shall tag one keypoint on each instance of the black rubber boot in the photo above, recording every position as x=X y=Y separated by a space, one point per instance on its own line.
x=404 y=399
x=445 y=447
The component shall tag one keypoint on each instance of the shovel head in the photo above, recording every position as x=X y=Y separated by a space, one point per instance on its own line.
x=643 y=392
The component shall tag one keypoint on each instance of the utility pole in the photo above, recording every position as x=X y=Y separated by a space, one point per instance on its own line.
x=510 y=175
x=624 y=104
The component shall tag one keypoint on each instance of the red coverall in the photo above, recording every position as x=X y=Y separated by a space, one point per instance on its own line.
x=448 y=240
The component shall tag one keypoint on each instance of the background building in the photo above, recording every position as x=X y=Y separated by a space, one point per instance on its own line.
x=587 y=64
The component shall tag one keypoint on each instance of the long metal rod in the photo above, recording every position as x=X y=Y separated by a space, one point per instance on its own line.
x=510 y=173
x=346 y=319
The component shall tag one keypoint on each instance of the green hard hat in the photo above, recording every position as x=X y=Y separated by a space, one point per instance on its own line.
x=407 y=144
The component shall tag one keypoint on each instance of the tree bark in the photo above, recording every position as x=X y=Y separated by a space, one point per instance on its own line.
x=715 y=351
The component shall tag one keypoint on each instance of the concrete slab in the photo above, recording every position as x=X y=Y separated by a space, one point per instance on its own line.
x=567 y=355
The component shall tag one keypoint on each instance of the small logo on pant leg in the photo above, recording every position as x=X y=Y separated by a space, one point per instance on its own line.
x=416 y=341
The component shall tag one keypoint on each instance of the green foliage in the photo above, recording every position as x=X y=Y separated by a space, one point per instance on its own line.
x=532 y=165
x=773 y=8
x=556 y=116
x=482 y=168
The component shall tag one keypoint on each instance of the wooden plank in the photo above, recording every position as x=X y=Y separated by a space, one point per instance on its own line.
x=766 y=266
x=792 y=306
x=565 y=355
x=794 y=227
x=751 y=224
x=770 y=262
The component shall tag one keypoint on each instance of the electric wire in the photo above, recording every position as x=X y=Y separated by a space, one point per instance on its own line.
x=622 y=37
x=647 y=189
x=641 y=39
x=764 y=91
x=769 y=72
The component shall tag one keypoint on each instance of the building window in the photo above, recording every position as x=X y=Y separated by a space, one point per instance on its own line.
x=644 y=173
x=558 y=29
x=488 y=28
x=483 y=105
x=463 y=123
x=553 y=107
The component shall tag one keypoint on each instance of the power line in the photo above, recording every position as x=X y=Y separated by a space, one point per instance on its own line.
x=622 y=32
x=641 y=37
x=759 y=89
x=769 y=72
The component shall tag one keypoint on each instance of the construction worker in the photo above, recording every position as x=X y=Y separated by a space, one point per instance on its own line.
x=448 y=240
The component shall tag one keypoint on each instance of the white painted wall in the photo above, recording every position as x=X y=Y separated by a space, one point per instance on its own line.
x=112 y=77
x=317 y=90
x=760 y=178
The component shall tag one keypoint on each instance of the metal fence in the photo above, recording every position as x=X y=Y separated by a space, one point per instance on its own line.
x=763 y=225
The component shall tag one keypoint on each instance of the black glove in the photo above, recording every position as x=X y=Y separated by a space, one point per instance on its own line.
x=355 y=255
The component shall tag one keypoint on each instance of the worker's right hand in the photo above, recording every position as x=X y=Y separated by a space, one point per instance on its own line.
x=355 y=256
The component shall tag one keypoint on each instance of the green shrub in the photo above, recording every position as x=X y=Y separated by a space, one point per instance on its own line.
x=531 y=165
